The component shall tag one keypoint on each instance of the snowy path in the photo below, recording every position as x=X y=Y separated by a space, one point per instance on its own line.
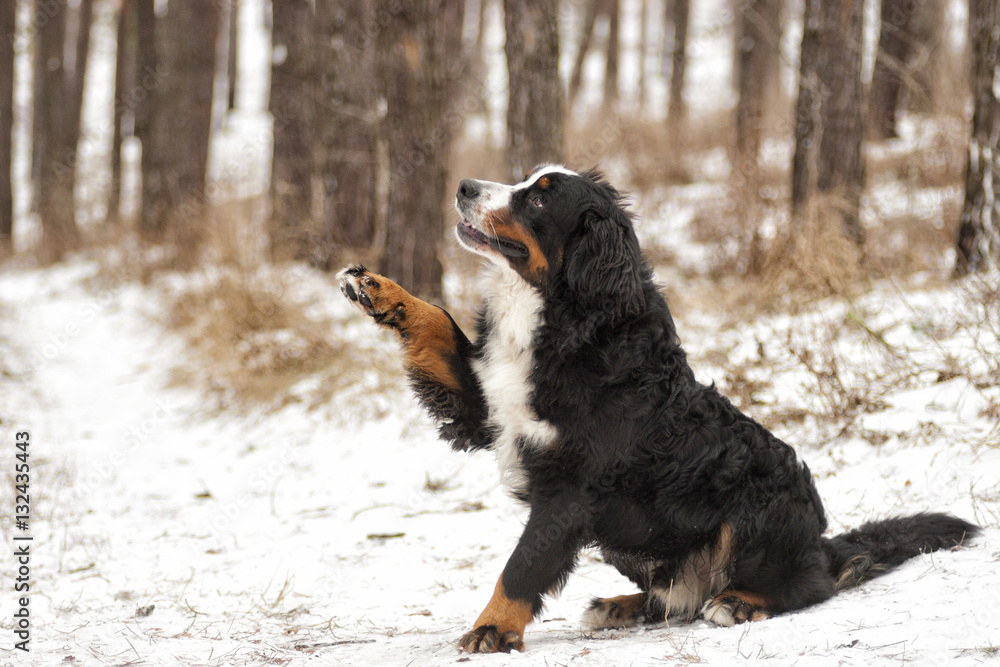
x=166 y=536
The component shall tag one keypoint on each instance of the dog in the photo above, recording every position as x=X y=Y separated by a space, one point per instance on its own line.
x=577 y=381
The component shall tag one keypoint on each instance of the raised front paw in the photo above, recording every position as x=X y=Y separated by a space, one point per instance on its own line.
x=489 y=639
x=373 y=295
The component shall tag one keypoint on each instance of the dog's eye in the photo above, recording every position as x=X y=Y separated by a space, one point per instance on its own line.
x=536 y=201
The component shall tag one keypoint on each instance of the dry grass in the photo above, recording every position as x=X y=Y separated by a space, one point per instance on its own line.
x=255 y=343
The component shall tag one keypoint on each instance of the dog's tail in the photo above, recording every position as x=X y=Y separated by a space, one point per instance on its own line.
x=878 y=546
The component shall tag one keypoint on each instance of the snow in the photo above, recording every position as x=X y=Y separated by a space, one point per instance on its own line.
x=319 y=537
x=169 y=533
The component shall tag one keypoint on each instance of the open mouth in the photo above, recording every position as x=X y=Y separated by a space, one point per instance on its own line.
x=475 y=238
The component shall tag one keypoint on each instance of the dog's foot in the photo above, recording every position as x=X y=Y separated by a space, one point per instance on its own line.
x=376 y=296
x=732 y=607
x=623 y=611
x=489 y=639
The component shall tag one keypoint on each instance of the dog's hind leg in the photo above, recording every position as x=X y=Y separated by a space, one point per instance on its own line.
x=436 y=354
x=622 y=611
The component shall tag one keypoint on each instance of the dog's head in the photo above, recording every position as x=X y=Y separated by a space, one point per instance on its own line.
x=563 y=232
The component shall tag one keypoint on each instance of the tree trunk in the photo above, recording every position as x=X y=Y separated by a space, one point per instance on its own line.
x=841 y=163
x=679 y=12
x=534 y=107
x=829 y=112
x=126 y=92
x=611 y=62
x=643 y=49
x=757 y=44
x=55 y=150
x=77 y=74
x=894 y=46
x=979 y=229
x=410 y=68
x=346 y=123
x=8 y=26
x=586 y=35
x=232 y=53
x=806 y=110
x=294 y=73
x=174 y=163
x=147 y=77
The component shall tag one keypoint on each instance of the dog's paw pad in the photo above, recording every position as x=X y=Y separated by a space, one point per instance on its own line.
x=727 y=610
x=360 y=288
x=489 y=639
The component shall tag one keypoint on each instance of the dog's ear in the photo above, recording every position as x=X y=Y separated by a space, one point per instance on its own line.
x=603 y=267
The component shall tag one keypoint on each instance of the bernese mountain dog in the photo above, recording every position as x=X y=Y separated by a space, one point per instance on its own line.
x=577 y=381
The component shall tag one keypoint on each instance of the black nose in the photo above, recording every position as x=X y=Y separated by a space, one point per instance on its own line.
x=468 y=189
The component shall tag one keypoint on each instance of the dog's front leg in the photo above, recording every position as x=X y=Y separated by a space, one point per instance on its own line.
x=542 y=560
x=436 y=354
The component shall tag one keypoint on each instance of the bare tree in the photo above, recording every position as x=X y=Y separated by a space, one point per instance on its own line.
x=611 y=61
x=347 y=122
x=830 y=110
x=124 y=102
x=7 y=27
x=294 y=76
x=232 y=52
x=586 y=35
x=147 y=70
x=411 y=69
x=757 y=50
x=979 y=229
x=806 y=109
x=903 y=31
x=678 y=15
x=59 y=72
x=175 y=161
x=534 y=107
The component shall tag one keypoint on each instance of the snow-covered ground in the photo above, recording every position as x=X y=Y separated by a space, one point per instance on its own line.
x=168 y=534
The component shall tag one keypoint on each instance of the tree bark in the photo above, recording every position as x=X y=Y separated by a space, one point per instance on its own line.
x=896 y=40
x=757 y=44
x=534 y=107
x=55 y=150
x=232 y=53
x=979 y=228
x=586 y=35
x=679 y=12
x=841 y=163
x=8 y=27
x=294 y=74
x=174 y=163
x=411 y=65
x=126 y=91
x=611 y=61
x=830 y=110
x=806 y=110
x=347 y=121
x=147 y=70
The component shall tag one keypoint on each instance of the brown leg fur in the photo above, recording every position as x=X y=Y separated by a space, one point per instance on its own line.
x=500 y=628
x=427 y=332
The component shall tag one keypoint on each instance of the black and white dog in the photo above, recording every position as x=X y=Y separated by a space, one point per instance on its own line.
x=577 y=381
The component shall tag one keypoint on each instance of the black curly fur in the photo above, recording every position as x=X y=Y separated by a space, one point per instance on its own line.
x=649 y=464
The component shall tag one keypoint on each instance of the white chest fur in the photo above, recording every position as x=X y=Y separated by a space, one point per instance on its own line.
x=515 y=311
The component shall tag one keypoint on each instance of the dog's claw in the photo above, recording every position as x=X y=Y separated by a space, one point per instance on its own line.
x=488 y=639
